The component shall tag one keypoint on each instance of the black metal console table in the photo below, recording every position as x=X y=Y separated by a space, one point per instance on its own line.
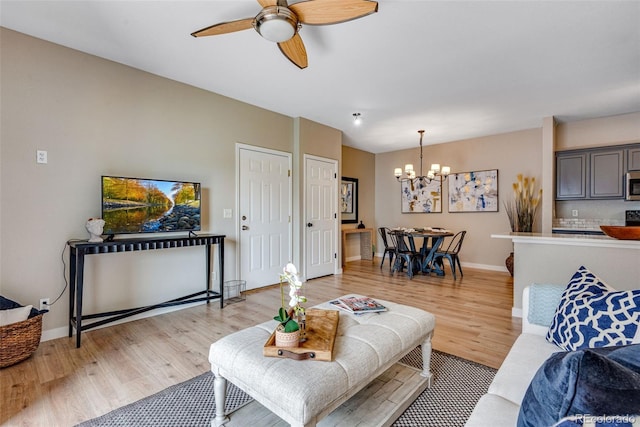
x=78 y=250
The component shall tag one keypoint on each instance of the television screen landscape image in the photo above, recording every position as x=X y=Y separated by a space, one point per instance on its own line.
x=135 y=205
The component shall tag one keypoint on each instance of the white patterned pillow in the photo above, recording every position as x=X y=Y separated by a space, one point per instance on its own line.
x=592 y=314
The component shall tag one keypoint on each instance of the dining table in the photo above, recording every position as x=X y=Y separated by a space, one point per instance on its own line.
x=432 y=241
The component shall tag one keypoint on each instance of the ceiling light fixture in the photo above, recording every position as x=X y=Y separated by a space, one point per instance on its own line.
x=435 y=172
x=276 y=23
x=357 y=119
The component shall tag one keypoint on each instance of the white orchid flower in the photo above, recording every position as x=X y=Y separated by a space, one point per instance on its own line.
x=290 y=275
x=290 y=269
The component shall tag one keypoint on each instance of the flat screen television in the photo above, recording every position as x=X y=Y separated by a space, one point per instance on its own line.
x=136 y=205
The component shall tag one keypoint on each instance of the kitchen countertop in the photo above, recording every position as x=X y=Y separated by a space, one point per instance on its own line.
x=569 y=240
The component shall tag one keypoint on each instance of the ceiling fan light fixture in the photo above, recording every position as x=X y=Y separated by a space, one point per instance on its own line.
x=276 y=23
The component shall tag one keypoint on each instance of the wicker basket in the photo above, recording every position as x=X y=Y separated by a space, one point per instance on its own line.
x=19 y=340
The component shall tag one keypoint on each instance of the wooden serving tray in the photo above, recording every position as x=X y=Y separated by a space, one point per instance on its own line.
x=322 y=326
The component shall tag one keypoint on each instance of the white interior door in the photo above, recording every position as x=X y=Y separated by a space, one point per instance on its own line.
x=321 y=216
x=264 y=214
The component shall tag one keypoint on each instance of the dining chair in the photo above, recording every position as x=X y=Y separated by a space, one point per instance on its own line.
x=452 y=253
x=405 y=253
x=388 y=249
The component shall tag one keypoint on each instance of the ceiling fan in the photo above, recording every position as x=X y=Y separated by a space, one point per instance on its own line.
x=280 y=23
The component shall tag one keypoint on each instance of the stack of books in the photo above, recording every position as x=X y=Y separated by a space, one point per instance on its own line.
x=358 y=305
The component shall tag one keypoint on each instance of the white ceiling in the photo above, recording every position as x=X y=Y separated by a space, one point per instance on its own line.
x=459 y=69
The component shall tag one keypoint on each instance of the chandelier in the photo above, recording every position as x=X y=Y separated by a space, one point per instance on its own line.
x=410 y=174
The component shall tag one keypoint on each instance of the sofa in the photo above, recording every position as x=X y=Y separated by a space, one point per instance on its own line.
x=501 y=404
x=592 y=366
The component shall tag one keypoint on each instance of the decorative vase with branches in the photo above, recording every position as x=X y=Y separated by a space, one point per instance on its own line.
x=522 y=208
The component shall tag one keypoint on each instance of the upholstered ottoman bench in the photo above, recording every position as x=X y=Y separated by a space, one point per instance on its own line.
x=302 y=392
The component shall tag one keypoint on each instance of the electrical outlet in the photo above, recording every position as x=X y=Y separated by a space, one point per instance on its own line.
x=574 y=212
x=44 y=304
x=41 y=156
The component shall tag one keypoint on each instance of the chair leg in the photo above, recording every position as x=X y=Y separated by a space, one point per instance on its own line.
x=391 y=255
x=410 y=268
x=384 y=255
x=396 y=265
x=452 y=264
x=459 y=266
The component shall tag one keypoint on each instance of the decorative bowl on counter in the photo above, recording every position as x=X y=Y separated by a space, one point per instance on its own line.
x=621 y=232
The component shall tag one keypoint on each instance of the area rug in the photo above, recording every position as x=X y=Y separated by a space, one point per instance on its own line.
x=457 y=386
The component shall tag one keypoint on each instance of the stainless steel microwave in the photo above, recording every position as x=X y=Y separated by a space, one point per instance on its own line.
x=633 y=186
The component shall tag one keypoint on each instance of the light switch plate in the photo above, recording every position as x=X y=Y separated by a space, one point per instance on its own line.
x=227 y=213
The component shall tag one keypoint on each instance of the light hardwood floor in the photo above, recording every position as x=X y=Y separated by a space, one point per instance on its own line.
x=62 y=386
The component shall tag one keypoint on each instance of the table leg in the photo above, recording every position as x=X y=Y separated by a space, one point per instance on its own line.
x=208 y=267
x=221 y=268
x=428 y=265
x=80 y=284
x=72 y=286
x=426 y=359
x=220 y=395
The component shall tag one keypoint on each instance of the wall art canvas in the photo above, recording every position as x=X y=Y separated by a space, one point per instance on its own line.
x=346 y=196
x=421 y=197
x=349 y=200
x=475 y=191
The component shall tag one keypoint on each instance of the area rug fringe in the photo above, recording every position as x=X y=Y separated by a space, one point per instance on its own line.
x=457 y=386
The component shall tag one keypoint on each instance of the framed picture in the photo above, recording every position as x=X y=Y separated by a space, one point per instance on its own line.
x=421 y=196
x=349 y=200
x=474 y=191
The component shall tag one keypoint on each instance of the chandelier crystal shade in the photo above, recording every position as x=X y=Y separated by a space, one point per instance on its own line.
x=436 y=171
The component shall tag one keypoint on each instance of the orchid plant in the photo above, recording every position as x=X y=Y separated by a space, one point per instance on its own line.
x=290 y=275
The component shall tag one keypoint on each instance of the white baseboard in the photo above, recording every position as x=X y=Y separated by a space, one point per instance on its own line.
x=52 y=334
x=486 y=267
x=473 y=265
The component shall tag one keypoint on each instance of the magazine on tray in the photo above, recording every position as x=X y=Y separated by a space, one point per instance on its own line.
x=359 y=305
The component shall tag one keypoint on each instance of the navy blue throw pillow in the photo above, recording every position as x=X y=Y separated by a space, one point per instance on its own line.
x=7 y=304
x=596 y=381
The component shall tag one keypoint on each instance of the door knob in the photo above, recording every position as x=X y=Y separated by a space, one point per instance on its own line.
x=309 y=224
x=244 y=227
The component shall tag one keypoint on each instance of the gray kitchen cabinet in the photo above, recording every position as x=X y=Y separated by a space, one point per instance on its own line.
x=571 y=175
x=633 y=159
x=591 y=173
x=606 y=174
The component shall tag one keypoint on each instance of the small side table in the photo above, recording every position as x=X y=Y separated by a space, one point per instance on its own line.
x=366 y=239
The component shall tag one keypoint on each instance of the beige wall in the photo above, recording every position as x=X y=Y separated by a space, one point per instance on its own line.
x=98 y=117
x=361 y=165
x=510 y=153
x=524 y=152
x=615 y=130
x=317 y=140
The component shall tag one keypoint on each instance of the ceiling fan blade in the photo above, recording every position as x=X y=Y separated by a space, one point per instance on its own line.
x=294 y=50
x=225 y=27
x=324 y=12
x=265 y=3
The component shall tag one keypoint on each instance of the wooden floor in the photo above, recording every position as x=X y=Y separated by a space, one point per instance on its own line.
x=61 y=385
